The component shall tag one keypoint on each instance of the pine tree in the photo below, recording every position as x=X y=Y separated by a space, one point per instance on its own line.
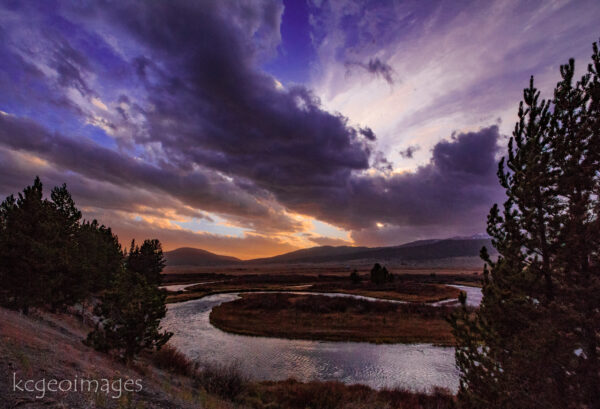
x=147 y=260
x=130 y=314
x=379 y=274
x=28 y=255
x=67 y=282
x=48 y=257
x=533 y=343
x=576 y=138
x=100 y=255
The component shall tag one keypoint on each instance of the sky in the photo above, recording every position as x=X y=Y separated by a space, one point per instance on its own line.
x=255 y=127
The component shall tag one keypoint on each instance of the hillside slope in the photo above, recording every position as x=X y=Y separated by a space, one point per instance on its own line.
x=324 y=253
x=49 y=346
x=187 y=256
x=415 y=251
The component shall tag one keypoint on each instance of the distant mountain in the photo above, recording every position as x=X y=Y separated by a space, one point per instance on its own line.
x=418 y=243
x=324 y=253
x=473 y=237
x=416 y=251
x=421 y=250
x=187 y=256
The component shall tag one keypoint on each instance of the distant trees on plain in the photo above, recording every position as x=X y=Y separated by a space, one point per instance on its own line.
x=380 y=274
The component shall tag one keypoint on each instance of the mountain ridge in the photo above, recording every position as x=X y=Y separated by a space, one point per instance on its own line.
x=190 y=256
x=419 y=250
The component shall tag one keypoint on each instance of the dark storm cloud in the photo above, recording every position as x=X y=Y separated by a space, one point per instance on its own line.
x=381 y=163
x=409 y=151
x=214 y=108
x=379 y=68
x=18 y=172
x=215 y=133
x=201 y=190
x=457 y=187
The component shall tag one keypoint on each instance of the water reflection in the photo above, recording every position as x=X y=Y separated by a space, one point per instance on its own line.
x=412 y=366
x=184 y=287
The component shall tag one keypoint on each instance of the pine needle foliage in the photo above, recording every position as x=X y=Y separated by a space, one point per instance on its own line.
x=534 y=341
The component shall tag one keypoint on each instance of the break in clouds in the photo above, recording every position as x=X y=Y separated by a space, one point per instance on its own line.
x=156 y=113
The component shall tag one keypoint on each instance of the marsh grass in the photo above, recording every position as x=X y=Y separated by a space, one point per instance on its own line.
x=292 y=394
x=172 y=360
x=227 y=382
x=405 y=287
x=319 y=317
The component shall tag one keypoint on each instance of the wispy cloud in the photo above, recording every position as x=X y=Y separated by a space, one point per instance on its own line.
x=376 y=67
x=153 y=127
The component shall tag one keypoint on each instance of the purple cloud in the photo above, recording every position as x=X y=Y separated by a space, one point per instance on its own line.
x=163 y=108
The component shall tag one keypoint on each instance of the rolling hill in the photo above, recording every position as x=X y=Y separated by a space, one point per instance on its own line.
x=187 y=256
x=417 y=251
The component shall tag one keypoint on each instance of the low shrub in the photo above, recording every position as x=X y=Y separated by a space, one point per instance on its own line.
x=291 y=394
x=224 y=380
x=227 y=382
x=170 y=359
x=322 y=304
x=440 y=398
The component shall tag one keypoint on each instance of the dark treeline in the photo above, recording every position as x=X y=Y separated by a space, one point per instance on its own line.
x=380 y=274
x=51 y=258
x=535 y=341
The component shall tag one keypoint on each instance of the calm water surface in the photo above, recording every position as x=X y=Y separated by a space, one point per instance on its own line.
x=412 y=366
x=184 y=287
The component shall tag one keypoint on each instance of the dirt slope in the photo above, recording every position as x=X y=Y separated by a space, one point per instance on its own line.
x=48 y=346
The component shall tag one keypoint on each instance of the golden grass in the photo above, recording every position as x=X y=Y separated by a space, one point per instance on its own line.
x=45 y=345
x=340 y=269
x=400 y=290
x=332 y=319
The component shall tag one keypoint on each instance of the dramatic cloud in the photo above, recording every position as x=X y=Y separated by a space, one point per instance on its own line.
x=200 y=189
x=456 y=188
x=462 y=64
x=246 y=247
x=163 y=120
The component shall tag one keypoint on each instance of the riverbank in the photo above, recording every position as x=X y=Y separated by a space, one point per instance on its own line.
x=325 y=318
x=413 y=288
x=48 y=346
x=291 y=394
x=227 y=381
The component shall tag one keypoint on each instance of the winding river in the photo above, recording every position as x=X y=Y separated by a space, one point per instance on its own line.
x=418 y=367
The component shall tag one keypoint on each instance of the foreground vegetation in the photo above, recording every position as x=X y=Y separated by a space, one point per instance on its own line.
x=411 y=288
x=51 y=259
x=227 y=382
x=48 y=345
x=71 y=281
x=535 y=341
x=319 y=317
